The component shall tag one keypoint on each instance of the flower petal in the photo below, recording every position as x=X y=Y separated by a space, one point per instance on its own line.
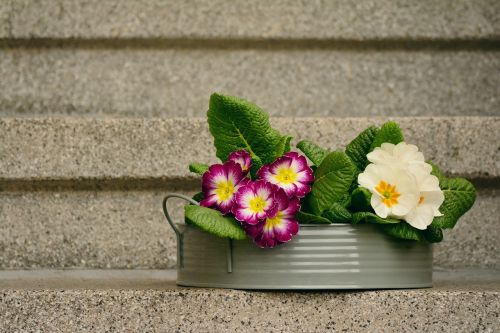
x=420 y=217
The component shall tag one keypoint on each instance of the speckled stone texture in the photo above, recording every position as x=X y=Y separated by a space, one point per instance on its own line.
x=207 y=310
x=115 y=229
x=153 y=82
x=87 y=193
x=161 y=149
x=249 y=19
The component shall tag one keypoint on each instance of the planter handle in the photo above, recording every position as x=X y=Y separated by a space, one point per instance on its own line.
x=165 y=210
x=178 y=233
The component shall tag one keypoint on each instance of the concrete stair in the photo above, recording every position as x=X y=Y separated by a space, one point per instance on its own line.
x=102 y=107
x=148 y=301
x=163 y=58
x=86 y=193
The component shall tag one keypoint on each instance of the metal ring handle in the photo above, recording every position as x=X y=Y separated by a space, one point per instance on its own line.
x=165 y=210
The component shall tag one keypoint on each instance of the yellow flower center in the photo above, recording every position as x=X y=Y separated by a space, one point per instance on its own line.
x=421 y=200
x=271 y=223
x=225 y=190
x=257 y=204
x=286 y=176
x=388 y=192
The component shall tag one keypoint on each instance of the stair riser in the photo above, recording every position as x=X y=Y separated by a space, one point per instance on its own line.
x=126 y=229
x=281 y=19
x=131 y=150
x=175 y=82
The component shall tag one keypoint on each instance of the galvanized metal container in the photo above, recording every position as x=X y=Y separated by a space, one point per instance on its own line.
x=335 y=256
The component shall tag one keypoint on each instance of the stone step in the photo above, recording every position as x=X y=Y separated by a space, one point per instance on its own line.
x=62 y=301
x=159 y=150
x=240 y=19
x=301 y=81
x=87 y=193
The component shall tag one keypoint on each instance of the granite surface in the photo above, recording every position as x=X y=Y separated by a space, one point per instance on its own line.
x=134 y=150
x=250 y=19
x=445 y=308
x=127 y=229
x=176 y=82
x=464 y=279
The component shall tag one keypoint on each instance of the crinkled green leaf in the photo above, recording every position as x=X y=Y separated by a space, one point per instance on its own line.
x=360 y=146
x=332 y=181
x=307 y=218
x=337 y=213
x=284 y=145
x=389 y=132
x=360 y=200
x=198 y=168
x=213 y=222
x=237 y=124
x=314 y=153
x=433 y=234
x=403 y=231
x=369 y=217
x=459 y=196
x=345 y=200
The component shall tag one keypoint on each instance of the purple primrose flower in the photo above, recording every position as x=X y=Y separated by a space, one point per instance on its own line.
x=279 y=228
x=220 y=184
x=242 y=157
x=290 y=172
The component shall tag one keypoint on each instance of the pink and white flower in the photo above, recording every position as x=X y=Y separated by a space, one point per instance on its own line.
x=220 y=184
x=242 y=157
x=281 y=227
x=255 y=201
x=289 y=172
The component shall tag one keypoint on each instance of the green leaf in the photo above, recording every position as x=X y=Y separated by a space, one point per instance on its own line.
x=237 y=124
x=332 y=181
x=198 y=168
x=433 y=234
x=198 y=196
x=306 y=218
x=345 y=200
x=389 y=132
x=360 y=146
x=403 y=231
x=337 y=213
x=436 y=171
x=305 y=204
x=284 y=146
x=369 y=217
x=360 y=200
x=314 y=153
x=213 y=222
x=459 y=197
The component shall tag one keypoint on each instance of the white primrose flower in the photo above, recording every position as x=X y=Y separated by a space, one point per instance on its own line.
x=402 y=155
x=430 y=199
x=394 y=190
x=404 y=159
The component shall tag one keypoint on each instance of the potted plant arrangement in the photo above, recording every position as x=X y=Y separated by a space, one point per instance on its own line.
x=271 y=218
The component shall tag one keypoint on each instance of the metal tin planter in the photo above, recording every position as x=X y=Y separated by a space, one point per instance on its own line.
x=335 y=256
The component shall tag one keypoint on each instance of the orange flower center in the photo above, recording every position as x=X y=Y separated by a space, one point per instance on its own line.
x=388 y=192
